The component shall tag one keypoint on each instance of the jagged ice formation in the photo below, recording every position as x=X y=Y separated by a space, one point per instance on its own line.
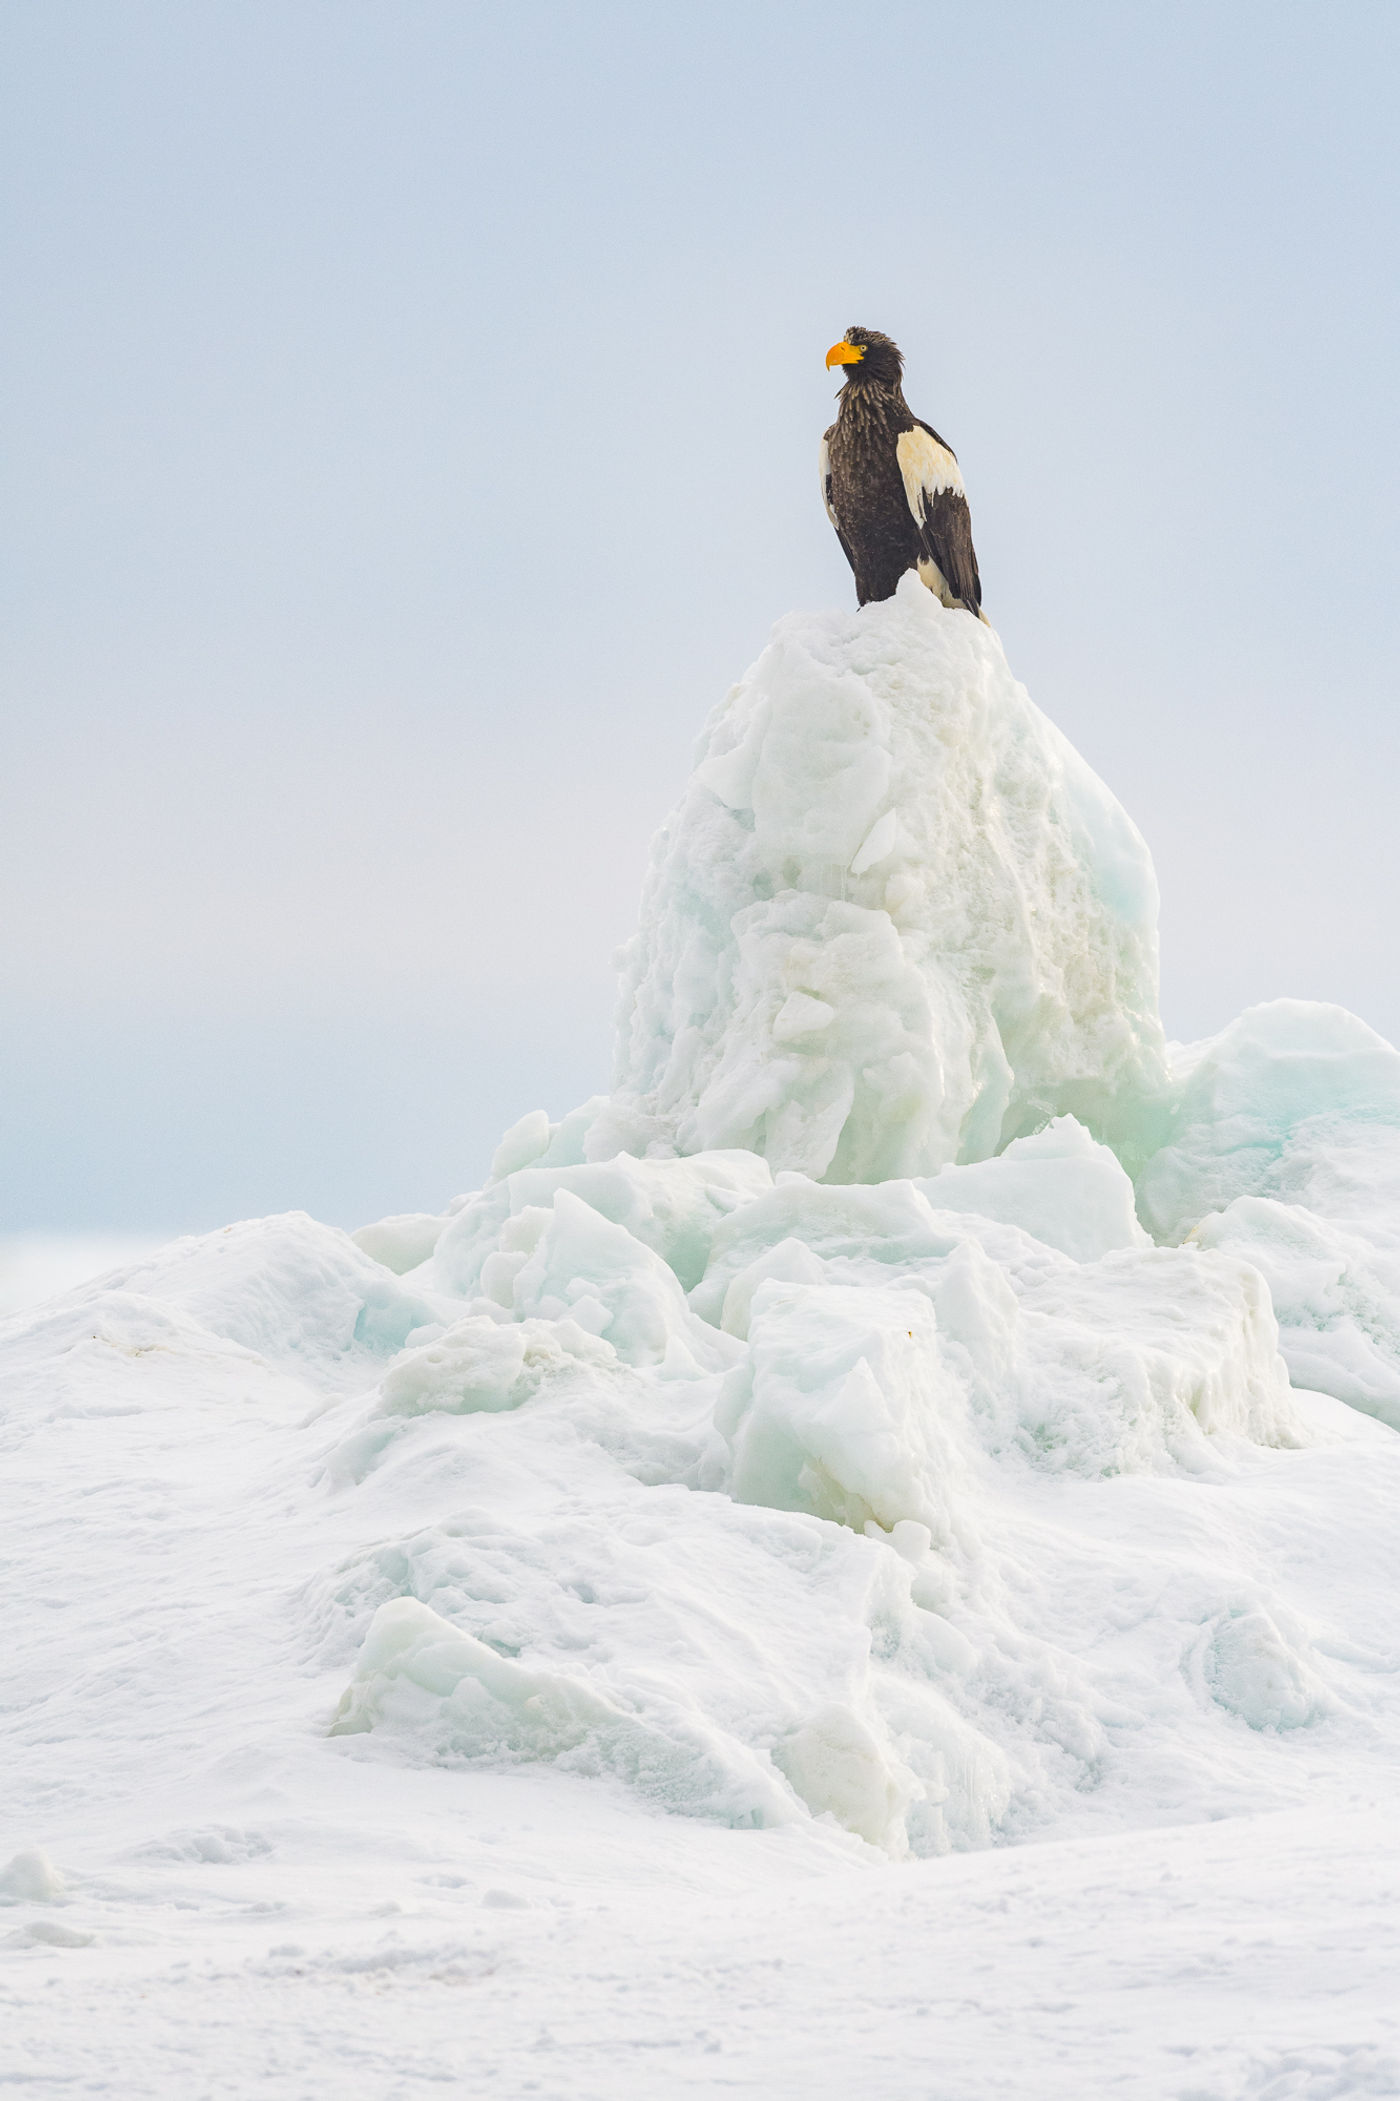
x=895 y=921
x=873 y=1419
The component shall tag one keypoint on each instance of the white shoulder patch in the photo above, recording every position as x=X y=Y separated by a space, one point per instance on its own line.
x=824 y=468
x=928 y=469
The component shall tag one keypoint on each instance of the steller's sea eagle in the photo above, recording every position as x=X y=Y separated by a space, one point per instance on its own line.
x=891 y=486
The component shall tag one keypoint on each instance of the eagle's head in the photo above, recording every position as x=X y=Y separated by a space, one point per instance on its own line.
x=870 y=356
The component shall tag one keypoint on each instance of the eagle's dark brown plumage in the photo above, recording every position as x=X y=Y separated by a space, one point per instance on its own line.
x=891 y=486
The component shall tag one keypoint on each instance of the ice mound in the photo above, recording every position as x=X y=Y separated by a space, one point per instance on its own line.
x=1058 y=1184
x=284 y=1288
x=760 y=1364
x=31 y=1878
x=746 y=1666
x=822 y=1430
x=847 y=1408
x=894 y=922
x=756 y=1548
x=1285 y=1151
x=418 y=1670
x=1295 y=1101
x=1255 y=1660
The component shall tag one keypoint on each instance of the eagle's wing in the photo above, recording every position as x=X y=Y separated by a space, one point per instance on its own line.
x=938 y=502
x=824 y=468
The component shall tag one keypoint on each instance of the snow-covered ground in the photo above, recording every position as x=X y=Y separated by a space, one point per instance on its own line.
x=790 y=1586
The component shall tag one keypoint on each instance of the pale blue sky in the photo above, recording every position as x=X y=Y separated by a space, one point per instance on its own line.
x=409 y=415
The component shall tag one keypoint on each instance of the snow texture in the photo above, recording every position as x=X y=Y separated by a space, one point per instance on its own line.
x=783 y=1487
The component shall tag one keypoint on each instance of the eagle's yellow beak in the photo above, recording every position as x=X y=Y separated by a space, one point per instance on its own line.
x=844 y=353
